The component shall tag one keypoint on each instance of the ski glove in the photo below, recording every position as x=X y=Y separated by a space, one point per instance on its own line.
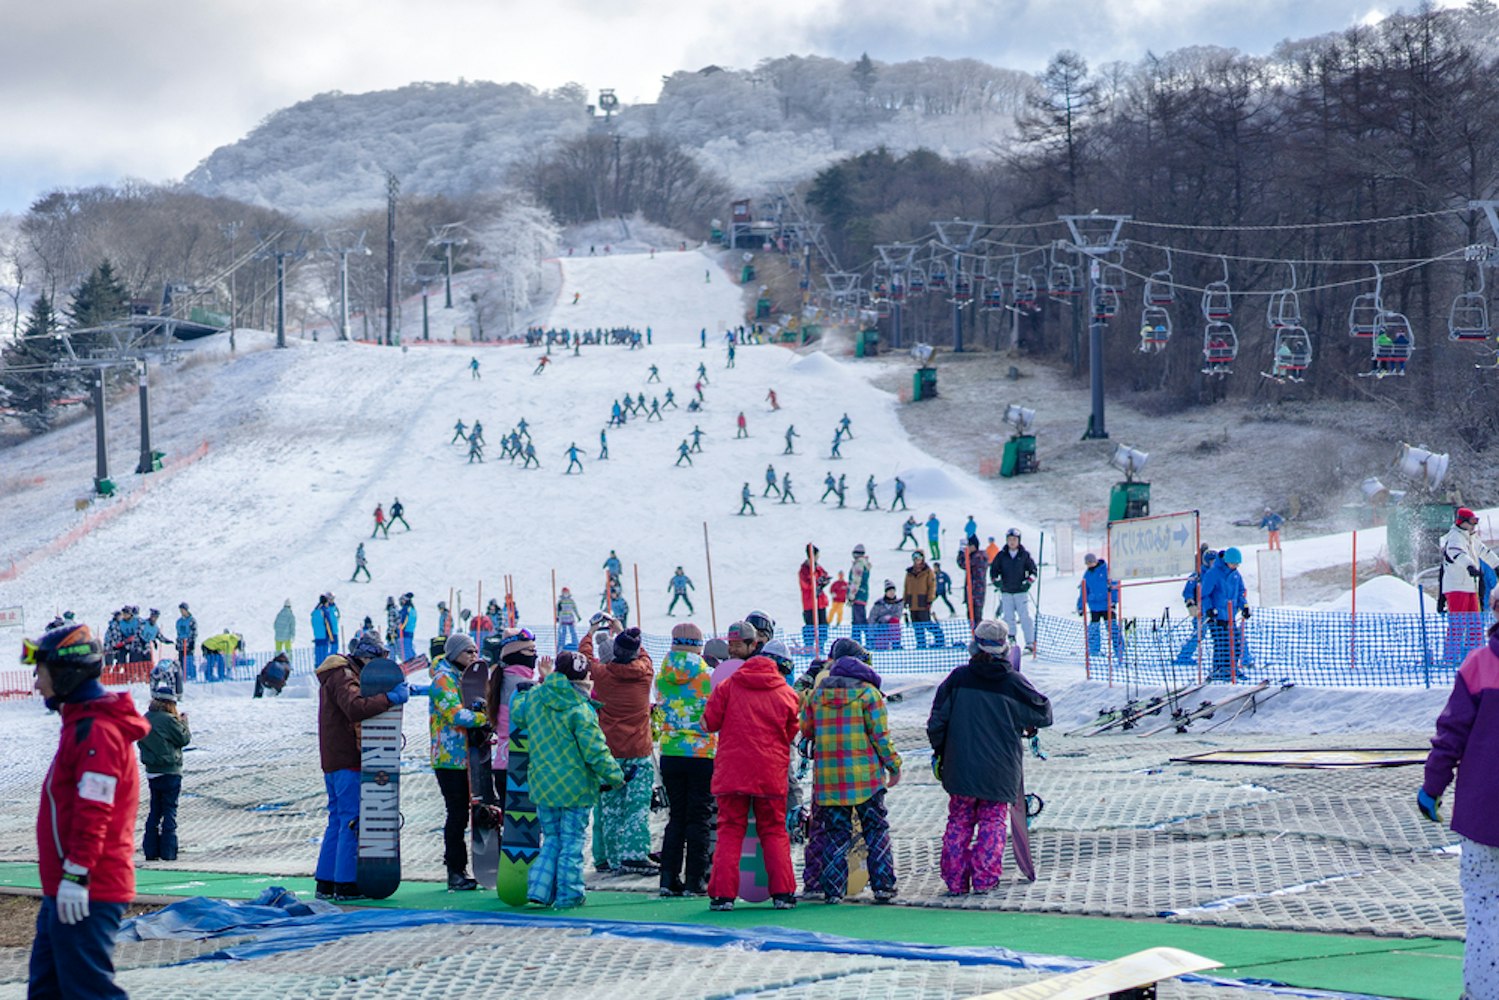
x=72 y=894
x=1244 y=611
x=400 y=694
x=1430 y=807
x=1473 y=572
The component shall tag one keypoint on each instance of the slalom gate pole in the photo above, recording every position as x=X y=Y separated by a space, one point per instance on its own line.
x=1087 y=660
x=712 y=603
x=816 y=622
x=1233 y=654
x=1036 y=612
x=639 y=613
x=1353 y=610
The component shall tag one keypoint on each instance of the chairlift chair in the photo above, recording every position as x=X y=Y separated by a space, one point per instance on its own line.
x=1469 y=319
x=994 y=296
x=1292 y=354
x=917 y=283
x=1026 y=295
x=1220 y=348
x=1160 y=287
x=1394 y=340
x=1041 y=278
x=880 y=291
x=1366 y=309
x=897 y=289
x=1218 y=299
x=937 y=279
x=1155 y=328
x=962 y=290
x=1105 y=303
x=1284 y=307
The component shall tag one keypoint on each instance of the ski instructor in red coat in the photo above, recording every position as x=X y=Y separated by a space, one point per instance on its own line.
x=85 y=827
x=814 y=599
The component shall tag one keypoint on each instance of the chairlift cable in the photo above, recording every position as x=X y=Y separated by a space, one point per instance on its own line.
x=1298 y=226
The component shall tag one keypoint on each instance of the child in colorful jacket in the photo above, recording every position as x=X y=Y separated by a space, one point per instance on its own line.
x=448 y=722
x=569 y=763
x=845 y=717
x=682 y=689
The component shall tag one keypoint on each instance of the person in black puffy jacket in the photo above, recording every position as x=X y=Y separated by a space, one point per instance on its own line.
x=979 y=715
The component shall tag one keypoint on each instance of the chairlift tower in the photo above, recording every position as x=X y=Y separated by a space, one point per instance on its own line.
x=897 y=258
x=1095 y=236
x=280 y=256
x=447 y=237
x=341 y=249
x=958 y=236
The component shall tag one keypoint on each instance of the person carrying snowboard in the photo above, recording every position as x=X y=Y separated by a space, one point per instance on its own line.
x=979 y=716
x=687 y=749
x=678 y=587
x=622 y=688
x=754 y=713
x=448 y=721
x=569 y=763
x=845 y=717
x=340 y=710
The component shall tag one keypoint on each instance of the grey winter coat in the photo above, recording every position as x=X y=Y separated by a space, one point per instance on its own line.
x=286 y=625
x=975 y=725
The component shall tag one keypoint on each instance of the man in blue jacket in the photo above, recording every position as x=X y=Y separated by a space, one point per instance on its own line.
x=324 y=628
x=406 y=617
x=1192 y=593
x=1100 y=596
x=1224 y=597
x=187 y=640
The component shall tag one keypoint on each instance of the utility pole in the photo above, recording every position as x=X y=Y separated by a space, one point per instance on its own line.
x=280 y=256
x=341 y=250
x=445 y=237
x=957 y=236
x=147 y=463
x=231 y=230
x=1094 y=236
x=392 y=189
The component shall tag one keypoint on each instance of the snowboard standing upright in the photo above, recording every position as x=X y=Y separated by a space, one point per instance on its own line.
x=520 y=839
x=378 y=873
x=754 y=881
x=484 y=804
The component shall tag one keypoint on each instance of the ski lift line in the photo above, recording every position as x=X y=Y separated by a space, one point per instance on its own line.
x=1349 y=283
x=1276 y=260
x=1291 y=227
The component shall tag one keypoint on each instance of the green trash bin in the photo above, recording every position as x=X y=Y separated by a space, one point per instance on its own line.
x=746 y=274
x=762 y=308
x=924 y=384
x=1019 y=457
x=1127 y=500
x=156 y=459
x=104 y=487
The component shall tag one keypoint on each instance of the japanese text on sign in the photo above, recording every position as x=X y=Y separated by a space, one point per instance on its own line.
x=1153 y=548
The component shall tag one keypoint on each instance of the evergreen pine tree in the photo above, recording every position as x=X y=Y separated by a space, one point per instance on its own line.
x=101 y=299
x=29 y=393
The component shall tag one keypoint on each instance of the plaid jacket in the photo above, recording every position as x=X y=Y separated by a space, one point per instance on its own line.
x=569 y=758
x=847 y=722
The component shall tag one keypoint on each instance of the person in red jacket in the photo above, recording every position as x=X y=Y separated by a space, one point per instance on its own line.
x=754 y=713
x=814 y=599
x=840 y=597
x=85 y=825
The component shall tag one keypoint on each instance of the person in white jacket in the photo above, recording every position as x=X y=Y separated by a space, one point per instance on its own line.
x=1463 y=558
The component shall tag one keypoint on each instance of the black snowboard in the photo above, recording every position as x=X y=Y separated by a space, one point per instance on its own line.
x=484 y=804
x=379 y=870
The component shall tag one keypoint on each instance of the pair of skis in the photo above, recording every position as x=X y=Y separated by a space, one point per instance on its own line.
x=1133 y=712
x=1246 y=699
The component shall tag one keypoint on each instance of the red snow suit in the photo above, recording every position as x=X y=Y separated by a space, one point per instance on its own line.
x=804 y=575
x=754 y=715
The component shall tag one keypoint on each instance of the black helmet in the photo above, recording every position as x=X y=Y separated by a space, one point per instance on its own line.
x=491 y=648
x=367 y=645
x=764 y=624
x=70 y=654
x=847 y=647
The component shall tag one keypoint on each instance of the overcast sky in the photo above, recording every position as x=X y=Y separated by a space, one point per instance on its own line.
x=96 y=91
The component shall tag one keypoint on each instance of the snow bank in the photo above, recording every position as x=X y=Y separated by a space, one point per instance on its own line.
x=1383 y=593
x=819 y=365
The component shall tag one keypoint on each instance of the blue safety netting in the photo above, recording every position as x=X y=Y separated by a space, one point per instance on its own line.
x=1310 y=648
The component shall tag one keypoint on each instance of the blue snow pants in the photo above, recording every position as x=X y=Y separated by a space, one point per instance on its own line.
x=556 y=877
x=339 y=856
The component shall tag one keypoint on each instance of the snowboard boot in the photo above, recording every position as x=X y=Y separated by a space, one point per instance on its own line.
x=169 y=847
x=638 y=866
x=324 y=889
x=785 y=900
x=884 y=896
x=461 y=882
x=344 y=892
x=832 y=900
x=721 y=905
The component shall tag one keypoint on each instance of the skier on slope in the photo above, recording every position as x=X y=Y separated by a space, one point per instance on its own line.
x=871 y=502
x=340 y=710
x=572 y=459
x=460 y=433
x=744 y=500
x=678 y=587
x=473 y=368
x=475 y=450
x=603 y=445
x=613 y=566
x=669 y=401
x=944 y=588
x=837 y=442
x=933 y=535
x=478 y=432
x=844 y=426
x=697 y=438
x=842 y=489
x=786 y=495
x=741 y=431
x=830 y=485
x=900 y=496
x=397 y=513
x=542 y=364
x=684 y=453
x=530 y=456
x=908 y=534
x=361 y=565
x=790 y=434
x=770 y=482
x=771 y=395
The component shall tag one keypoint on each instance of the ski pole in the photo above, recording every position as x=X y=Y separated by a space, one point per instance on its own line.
x=639 y=611
x=708 y=555
x=1036 y=615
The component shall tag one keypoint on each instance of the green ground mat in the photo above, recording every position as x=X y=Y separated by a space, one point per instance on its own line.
x=1415 y=968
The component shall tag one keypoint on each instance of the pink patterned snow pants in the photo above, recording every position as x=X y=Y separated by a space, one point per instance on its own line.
x=974 y=857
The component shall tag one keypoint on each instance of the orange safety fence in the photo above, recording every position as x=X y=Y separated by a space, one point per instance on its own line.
x=99 y=518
